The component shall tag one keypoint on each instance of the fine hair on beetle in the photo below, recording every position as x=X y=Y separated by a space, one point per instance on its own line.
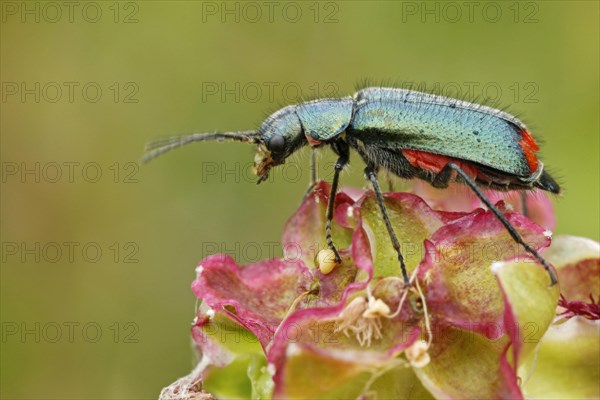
x=408 y=133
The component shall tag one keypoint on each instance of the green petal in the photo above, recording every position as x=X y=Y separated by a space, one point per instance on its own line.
x=530 y=304
x=413 y=222
x=567 y=364
x=260 y=378
x=312 y=374
x=466 y=365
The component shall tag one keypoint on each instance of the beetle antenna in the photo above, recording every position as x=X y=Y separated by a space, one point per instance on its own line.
x=155 y=149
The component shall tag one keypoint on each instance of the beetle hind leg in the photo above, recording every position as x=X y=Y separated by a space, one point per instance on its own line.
x=524 y=207
x=444 y=176
x=371 y=174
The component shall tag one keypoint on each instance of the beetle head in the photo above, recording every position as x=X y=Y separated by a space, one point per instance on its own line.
x=280 y=135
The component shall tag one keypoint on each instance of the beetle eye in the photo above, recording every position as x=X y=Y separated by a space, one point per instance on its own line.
x=276 y=143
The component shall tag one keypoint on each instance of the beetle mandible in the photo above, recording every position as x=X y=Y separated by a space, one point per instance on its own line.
x=408 y=133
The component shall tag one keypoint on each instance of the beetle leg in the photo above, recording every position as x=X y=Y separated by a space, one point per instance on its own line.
x=371 y=173
x=442 y=179
x=524 y=208
x=341 y=148
x=313 y=174
x=444 y=176
x=390 y=182
x=313 y=167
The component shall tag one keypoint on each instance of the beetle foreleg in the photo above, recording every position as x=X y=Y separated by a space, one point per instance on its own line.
x=445 y=175
x=371 y=173
x=342 y=149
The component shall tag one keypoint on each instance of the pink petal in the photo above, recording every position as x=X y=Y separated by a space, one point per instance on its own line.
x=539 y=206
x=577 y=261
x=459 y=284
x=289 y=331
x=456 y=197
x=257 y=296
x=313 y=331
x=459 y=197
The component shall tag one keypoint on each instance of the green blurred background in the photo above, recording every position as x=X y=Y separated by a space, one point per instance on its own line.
x=82 y=326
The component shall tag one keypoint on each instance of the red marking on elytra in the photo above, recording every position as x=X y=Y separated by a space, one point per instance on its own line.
x=436 y=162
x=311 y=141
x=529 y=147
x=530 y=140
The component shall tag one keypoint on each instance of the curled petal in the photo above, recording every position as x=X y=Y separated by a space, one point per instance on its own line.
x=257 y=296
x=529 y=304
x=456 y=275
x=578 y=263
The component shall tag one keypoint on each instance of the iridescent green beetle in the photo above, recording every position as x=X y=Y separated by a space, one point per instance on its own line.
x=408 y=133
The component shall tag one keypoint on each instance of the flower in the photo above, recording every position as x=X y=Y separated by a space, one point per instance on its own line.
x=298 y=327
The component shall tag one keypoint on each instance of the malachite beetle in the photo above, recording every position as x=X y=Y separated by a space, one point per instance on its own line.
x=408 y=133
